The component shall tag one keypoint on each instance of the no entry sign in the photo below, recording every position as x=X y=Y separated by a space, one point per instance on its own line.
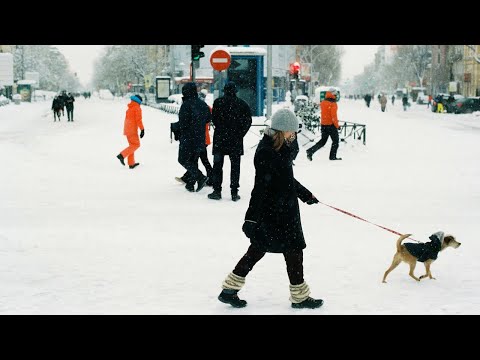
x=220 y=60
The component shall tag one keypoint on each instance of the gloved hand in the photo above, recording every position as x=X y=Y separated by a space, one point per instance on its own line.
x=312 y=201
x=142 y=133
x=249 y=228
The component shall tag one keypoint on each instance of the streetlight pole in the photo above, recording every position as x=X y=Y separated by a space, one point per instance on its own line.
x=172 y=64
x=269 y=81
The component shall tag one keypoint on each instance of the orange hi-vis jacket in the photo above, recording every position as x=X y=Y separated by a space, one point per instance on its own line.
x=329 y=110
x=133 y=119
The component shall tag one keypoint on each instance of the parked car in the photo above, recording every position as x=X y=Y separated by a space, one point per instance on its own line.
x=421 y=98
x=467 y=105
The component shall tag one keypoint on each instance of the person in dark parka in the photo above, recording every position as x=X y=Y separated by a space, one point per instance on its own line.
x=272 y=221
x=69 y=105
x=232 y=118
x=193 y=116
x=56 y=107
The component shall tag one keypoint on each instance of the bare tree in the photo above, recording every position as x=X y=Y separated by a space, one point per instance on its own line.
x=48 y=62
x=123 y=63
x=324 y=59
x=418 y=57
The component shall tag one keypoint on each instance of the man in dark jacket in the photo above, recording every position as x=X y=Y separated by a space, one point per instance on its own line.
x=272 y=221
x=194 y=114
x=69 y=105
x=232 y=118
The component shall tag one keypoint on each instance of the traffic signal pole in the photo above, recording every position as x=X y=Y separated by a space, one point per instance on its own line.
x=196 y=55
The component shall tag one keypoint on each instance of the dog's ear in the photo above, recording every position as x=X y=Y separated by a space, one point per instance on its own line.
x=448 y=238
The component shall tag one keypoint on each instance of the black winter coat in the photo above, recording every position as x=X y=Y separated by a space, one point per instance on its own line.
x=232 y=118
x=69 y=102
x=273 y=203
x=194 y=114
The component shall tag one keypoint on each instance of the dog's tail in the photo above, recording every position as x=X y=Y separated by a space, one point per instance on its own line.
x=400 y=239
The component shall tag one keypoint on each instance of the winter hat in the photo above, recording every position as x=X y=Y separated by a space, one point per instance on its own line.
x=136 y=98
x=333 y=91
x=190 y=90
x=284 y=120
x=230 y=88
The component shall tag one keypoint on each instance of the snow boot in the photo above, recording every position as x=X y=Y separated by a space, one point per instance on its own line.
x=308 y=303
x=201 y=183
x=229 y=296
x=235 y=196
x=119 y=157
x=133 y=166
x=215 y=195
x=309 y=155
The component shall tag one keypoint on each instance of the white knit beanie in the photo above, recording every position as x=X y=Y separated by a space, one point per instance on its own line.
x=284 y=120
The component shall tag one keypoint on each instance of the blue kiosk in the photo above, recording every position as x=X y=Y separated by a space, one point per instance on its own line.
x=246 y=71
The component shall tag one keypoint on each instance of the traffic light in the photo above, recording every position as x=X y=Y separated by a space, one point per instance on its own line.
x=196 y=53
x=296 y=69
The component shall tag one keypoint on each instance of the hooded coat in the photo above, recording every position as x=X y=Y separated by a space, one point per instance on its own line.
x=274 y=200
x=428 y=250
x=194 y=114
x=232 y=118
x=328 y=109
x=133 y=119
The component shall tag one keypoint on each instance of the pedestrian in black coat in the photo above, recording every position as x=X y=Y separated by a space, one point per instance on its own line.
x=56 y=107
x=272 y=221
x=69 y=105
x=231 y=118
x=193 y=116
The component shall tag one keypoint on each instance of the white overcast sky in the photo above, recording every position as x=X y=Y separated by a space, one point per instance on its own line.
x=81 y=59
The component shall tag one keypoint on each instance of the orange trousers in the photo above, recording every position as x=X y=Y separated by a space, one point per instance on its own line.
x=133 y=145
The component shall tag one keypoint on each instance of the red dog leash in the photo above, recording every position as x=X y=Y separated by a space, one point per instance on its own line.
x=358 y=217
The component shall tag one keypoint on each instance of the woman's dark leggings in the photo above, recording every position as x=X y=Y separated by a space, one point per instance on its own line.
x=293 y=260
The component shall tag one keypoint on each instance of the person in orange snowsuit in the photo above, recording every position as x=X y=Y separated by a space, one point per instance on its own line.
x=329 y=125
x=133 y=122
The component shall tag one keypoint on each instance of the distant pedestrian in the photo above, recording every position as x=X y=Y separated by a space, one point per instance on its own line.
x=383 y=102
x=133 y=122
x=405 y=102
x=368 y=99
x=393 y=100
x=69 y=100
x=56 y=107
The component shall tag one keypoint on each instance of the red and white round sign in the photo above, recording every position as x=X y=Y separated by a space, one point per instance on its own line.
x=220 y=60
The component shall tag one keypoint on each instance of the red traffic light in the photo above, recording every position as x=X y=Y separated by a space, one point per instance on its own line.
x=294 y=68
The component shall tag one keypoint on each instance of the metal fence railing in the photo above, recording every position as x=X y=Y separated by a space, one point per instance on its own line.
x=358 y=131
